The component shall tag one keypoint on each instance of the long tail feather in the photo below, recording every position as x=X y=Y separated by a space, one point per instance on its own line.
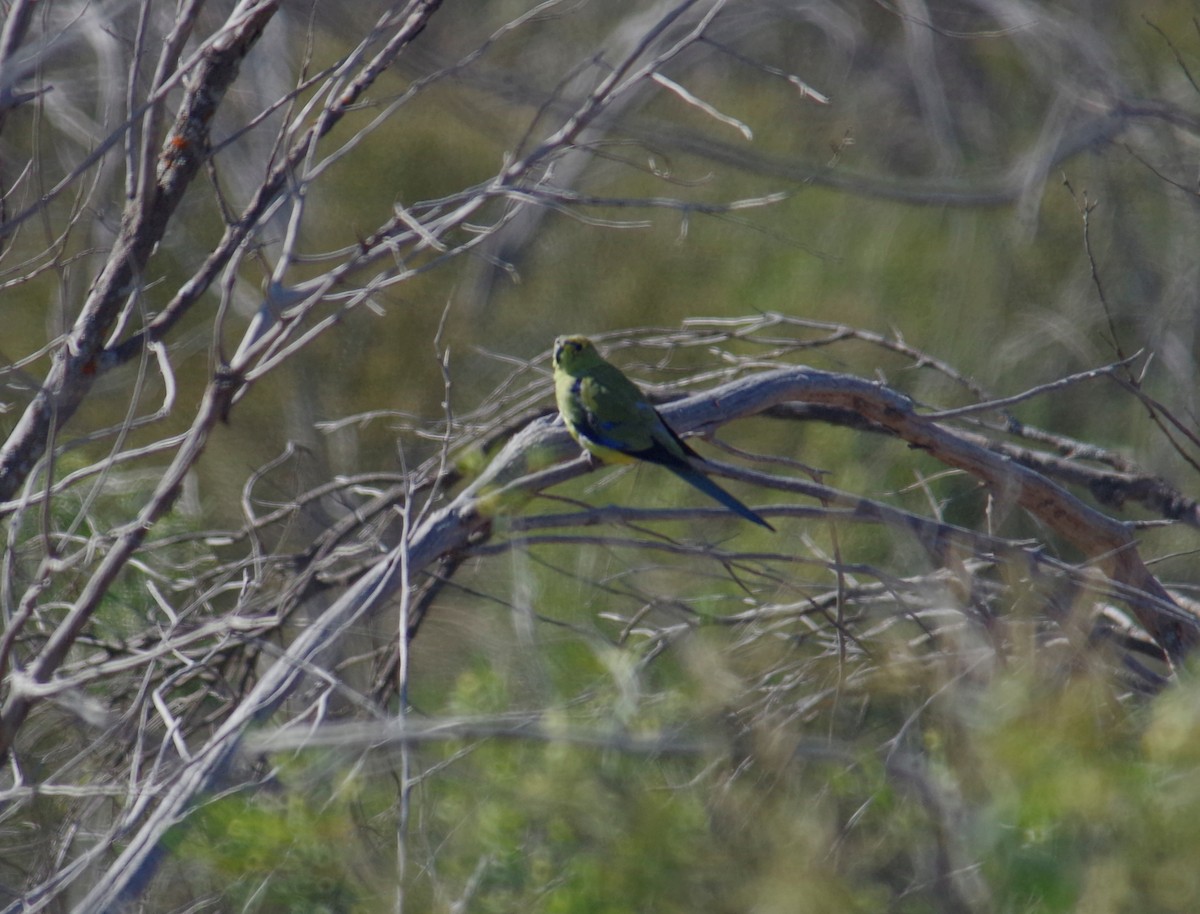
x=715 y=492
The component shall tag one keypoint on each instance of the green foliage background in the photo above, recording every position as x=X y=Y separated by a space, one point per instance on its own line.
x=1067 y=799
x=1055 y=789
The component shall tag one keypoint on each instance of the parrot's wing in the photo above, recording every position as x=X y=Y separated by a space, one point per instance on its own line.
x=618 y=417
x=614 y=414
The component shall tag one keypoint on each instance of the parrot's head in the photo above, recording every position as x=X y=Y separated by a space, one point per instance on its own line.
x=575 y=353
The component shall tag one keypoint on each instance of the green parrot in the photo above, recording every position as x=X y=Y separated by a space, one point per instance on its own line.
x=612 y=420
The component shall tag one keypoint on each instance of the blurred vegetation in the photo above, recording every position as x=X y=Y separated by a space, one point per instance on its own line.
x=1031 y=778
x=1048 y=791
